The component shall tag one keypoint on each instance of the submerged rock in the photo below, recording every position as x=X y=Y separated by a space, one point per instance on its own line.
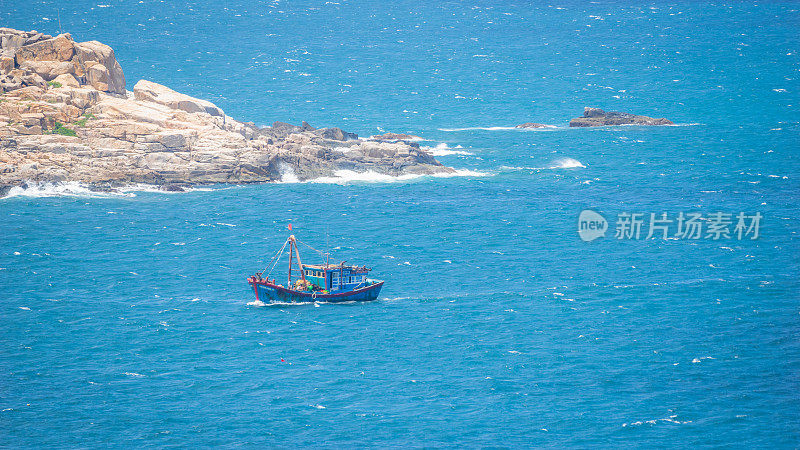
x=596 y=117
x=172 y=188
x=396 y=137
x=532 y=125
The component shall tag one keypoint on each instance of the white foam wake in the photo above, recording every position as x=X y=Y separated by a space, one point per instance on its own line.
x=444 y=150
x=258 y=303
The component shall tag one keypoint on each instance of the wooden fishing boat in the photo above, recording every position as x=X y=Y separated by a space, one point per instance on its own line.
x=316 y=282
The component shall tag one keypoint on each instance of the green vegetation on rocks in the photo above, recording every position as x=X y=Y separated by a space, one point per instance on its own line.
x=59 y=128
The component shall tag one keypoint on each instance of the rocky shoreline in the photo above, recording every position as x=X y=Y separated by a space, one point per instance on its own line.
x=66 y=115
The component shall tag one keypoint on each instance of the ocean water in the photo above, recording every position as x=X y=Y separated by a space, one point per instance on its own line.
x=127 y=320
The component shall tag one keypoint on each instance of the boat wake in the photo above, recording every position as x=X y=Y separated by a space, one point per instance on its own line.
x=260 y=304
x=257 y=303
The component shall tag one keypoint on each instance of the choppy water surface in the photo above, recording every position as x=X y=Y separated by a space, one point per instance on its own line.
x=126 y=316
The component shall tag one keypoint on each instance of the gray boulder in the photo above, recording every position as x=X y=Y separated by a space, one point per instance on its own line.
x=336 y=134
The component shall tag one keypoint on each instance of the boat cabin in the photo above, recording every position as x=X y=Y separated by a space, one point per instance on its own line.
x=336 y=278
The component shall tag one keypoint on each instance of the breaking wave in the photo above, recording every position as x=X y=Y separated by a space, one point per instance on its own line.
x=566 y=163
x=287 y=174
x=33 y=189
x=562 y=163
x=68 y=189
x=350 y=176
x=444 y=150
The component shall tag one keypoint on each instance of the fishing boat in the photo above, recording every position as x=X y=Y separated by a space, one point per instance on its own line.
x=316 y=282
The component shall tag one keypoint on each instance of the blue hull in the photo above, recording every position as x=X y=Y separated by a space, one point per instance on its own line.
x=270 y=293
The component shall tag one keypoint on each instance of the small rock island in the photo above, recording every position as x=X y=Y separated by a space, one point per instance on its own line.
x=66 y=115
x=596 y=117
x=533 y=125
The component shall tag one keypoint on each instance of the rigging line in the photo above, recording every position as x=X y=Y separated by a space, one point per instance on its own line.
x=275 y=259
x=276 y=255
x=312 y=248
x=272 y=268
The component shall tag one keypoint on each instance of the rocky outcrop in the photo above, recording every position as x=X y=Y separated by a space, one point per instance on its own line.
x=29 y=58
x=148 y=91
x=74 y=126
x=596 y=117
x=100 y=67
x=532 y=125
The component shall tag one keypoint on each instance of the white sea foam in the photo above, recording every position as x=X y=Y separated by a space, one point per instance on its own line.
x=697 y=360
x=139 y=187
x=75 y=189
x=566 y=163
x=287 y=174
x=69 y=189
x=443 y=149
x=350 y=176
x=561 y=163
x=670 y=419
x=461 y=173
x=546 y=127
x=479 y=129
x=35 y=189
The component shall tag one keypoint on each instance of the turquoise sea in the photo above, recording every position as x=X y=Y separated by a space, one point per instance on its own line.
x=125 y=317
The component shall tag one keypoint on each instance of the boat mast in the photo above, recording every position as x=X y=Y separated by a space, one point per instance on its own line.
x=294 y=249
x=291 y=253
